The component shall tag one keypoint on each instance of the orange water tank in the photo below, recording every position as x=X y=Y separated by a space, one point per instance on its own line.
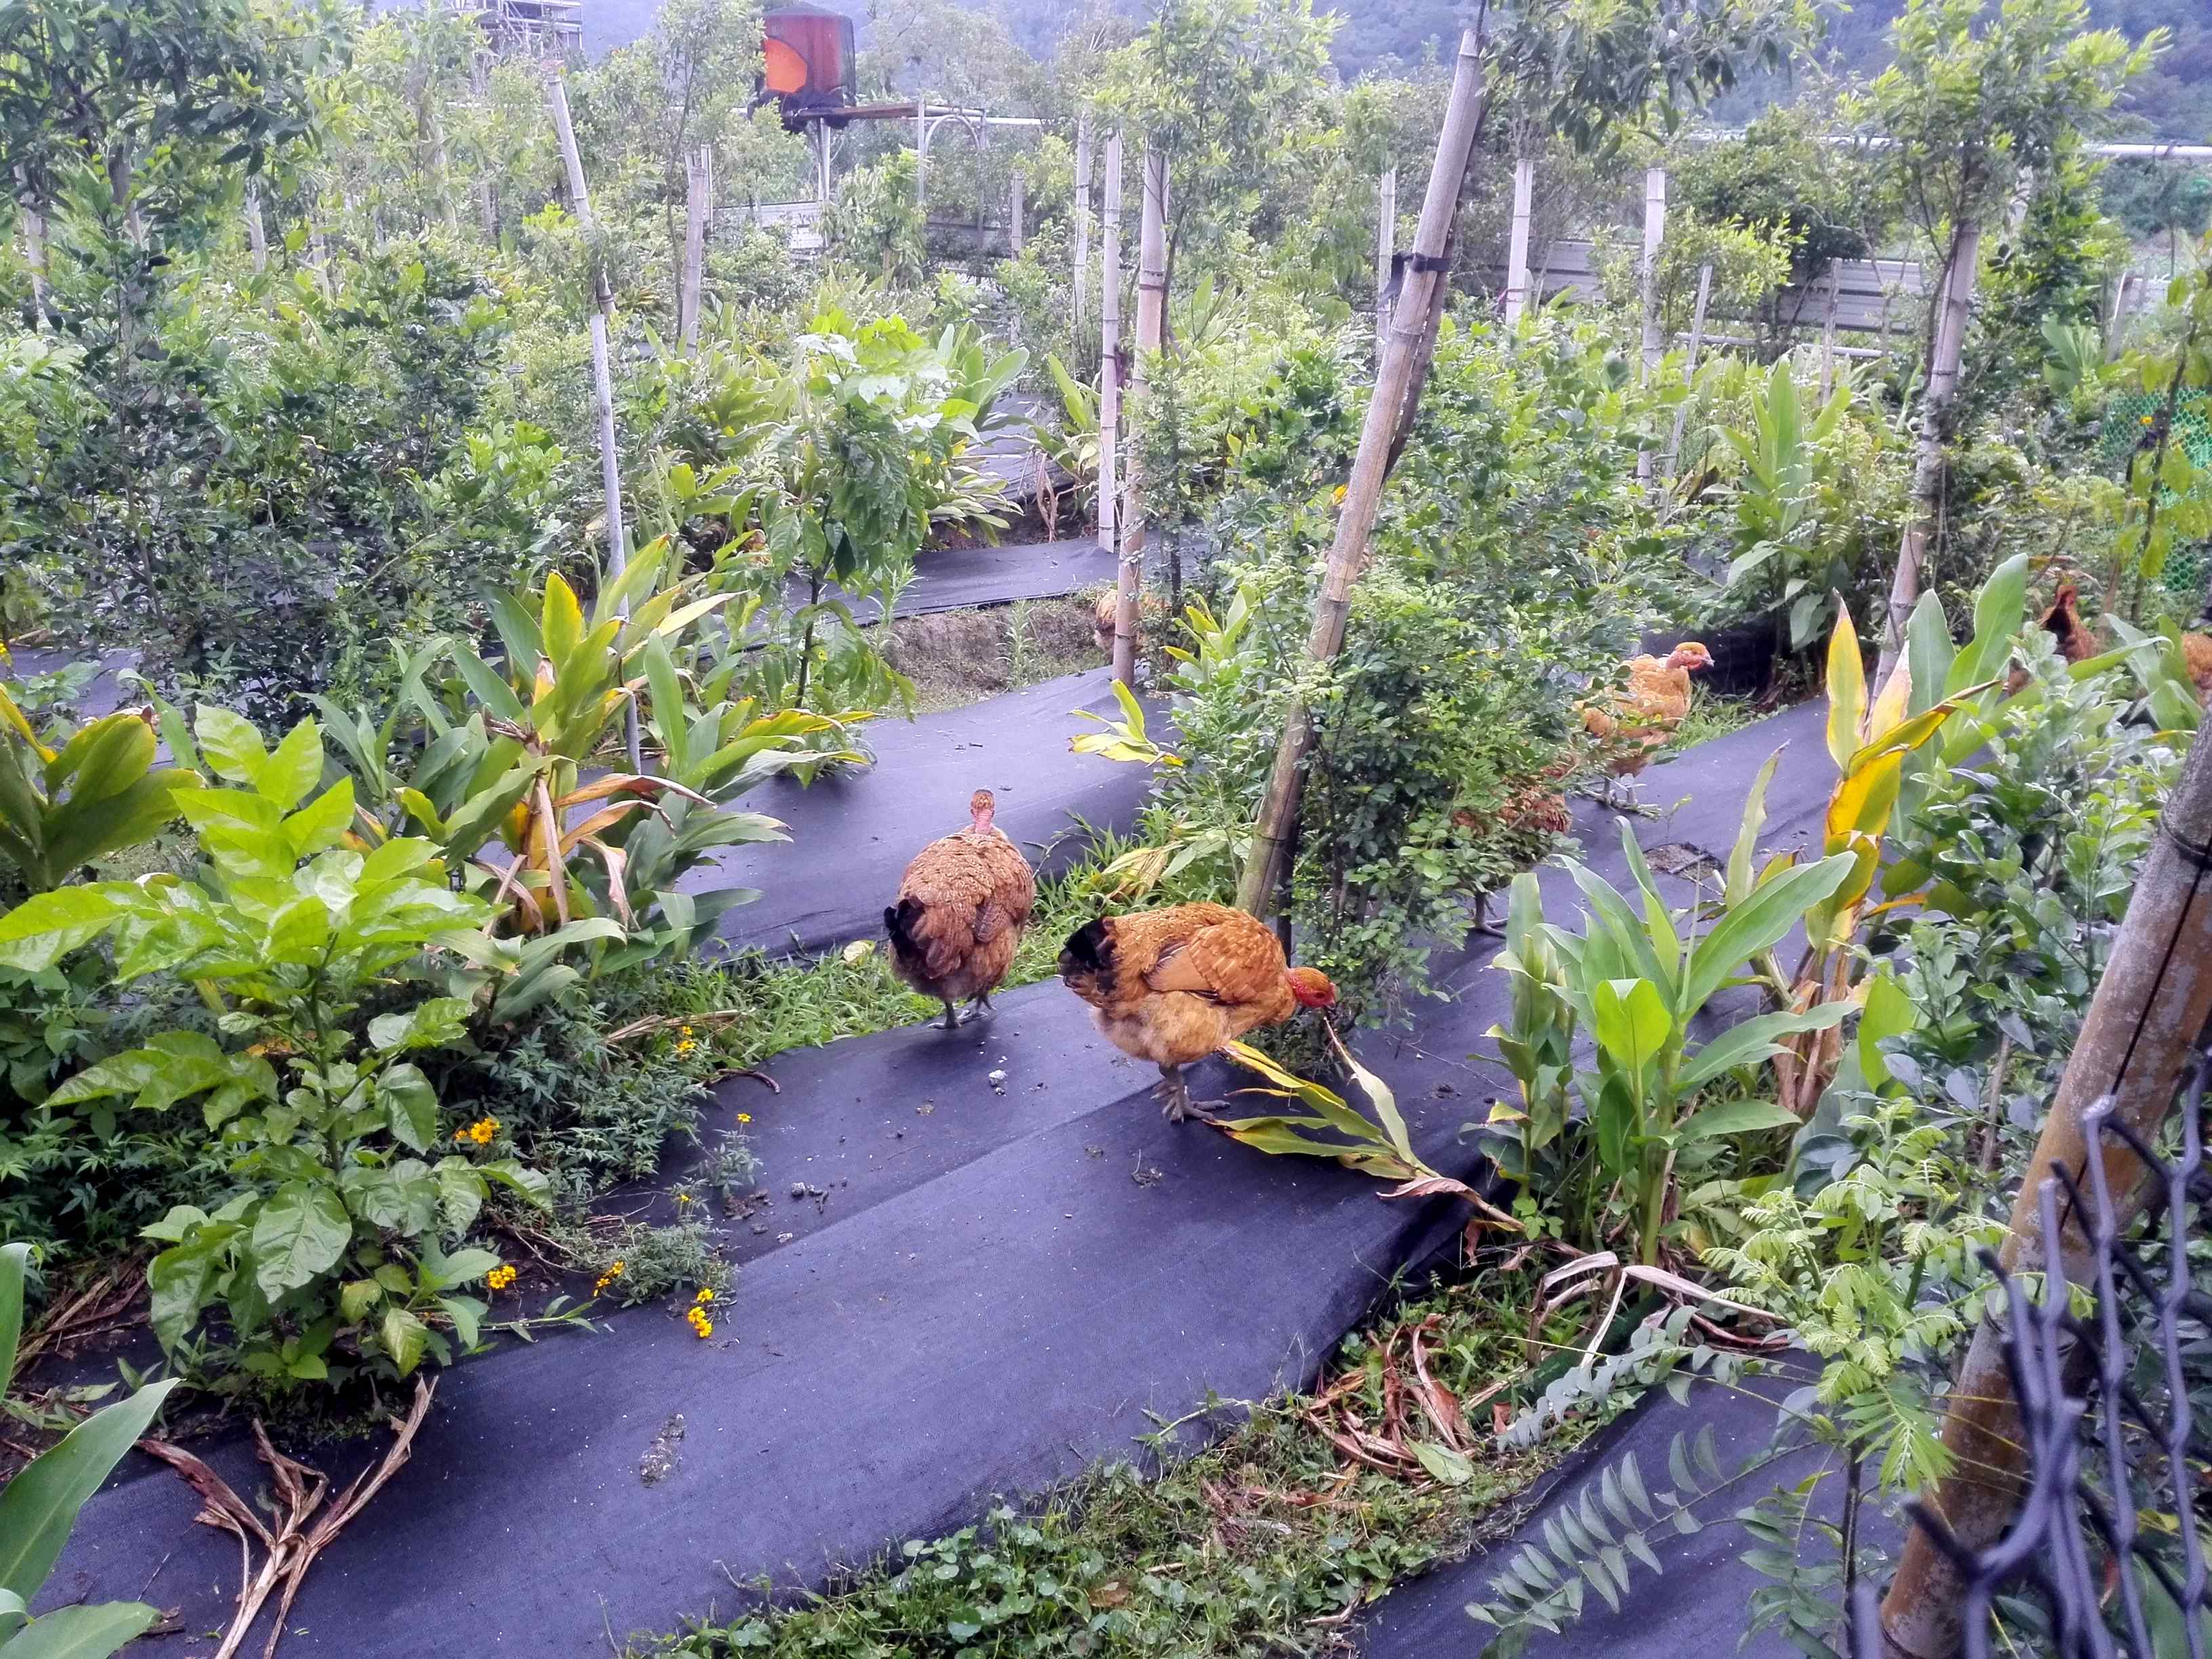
x=809 y=57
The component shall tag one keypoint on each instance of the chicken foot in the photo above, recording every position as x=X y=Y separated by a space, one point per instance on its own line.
x=1174 y=1090
x=951 y=1020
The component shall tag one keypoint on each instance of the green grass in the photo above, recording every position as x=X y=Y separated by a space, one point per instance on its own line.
x=769 y=1004
x=1264 y=1543
x=956 y=658
x=1712 y=717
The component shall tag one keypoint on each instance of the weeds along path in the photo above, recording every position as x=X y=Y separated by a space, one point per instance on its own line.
x=852 y=835
x=983 y=1288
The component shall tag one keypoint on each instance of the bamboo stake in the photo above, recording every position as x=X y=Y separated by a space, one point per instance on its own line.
x=698 y=208
x=2116 y=326
x=1655 y=234
x=603 y=382
x=1386 y=250
x=1955 y=299
x=2152 y=1001
x=257 y=233
x=1690 y=365
x=1014 y=214
x=1083 y=172
x=1395 y=380
x=34 y=249
x=1151 y=329
x=1828 y=339
x=1109 y=367
x=1517 y=248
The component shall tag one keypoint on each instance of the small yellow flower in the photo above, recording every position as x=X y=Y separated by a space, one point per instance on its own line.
x=704 y=1296
x=744 y=1117
x=500 y=1278
x=705 y=1327
x=684 y=1198
x=684 y=1047
x=480 y=1131
x=684 y=1030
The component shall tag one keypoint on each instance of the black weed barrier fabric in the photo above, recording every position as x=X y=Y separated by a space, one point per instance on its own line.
x=985 y=1286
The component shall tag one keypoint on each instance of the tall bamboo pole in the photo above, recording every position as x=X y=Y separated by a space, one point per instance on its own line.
x=1386 y=250
x=1151 y=331
x=1955 y=299
x=1014 y=214
x=698 y=209
x=1109 y=367
x=1362 y=494
x=2152 y=1002
x=1082 y=216
x=1516 y=247
x=602 y=381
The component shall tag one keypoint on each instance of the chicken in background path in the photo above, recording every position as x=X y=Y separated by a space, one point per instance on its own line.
x=961 y=910
x=1173 y=985
x=1634 y=723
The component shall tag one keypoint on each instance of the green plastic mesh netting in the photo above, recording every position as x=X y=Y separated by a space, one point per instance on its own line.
x=2130 y=423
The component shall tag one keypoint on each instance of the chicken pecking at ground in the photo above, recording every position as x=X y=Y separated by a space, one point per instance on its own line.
x=1173 y=985
x=961 y=910
x=1634 y=723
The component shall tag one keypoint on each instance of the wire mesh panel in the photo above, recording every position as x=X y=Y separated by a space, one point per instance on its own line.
x=2113 y=1379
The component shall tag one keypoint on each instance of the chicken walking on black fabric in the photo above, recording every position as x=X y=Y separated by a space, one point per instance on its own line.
x=1634 y=723
x=961 y=910
x=1173 y=985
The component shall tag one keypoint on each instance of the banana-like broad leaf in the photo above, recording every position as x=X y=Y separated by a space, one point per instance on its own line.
x=1846 y=679
x=1752 y=1041
x=1756 y=925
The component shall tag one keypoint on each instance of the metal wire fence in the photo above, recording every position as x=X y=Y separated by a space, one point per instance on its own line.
x=2113 y=1379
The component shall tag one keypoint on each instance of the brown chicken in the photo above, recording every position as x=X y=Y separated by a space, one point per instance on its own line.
x=1104 y=615
x=2197 y=656
x=1172 y=986
x=1634 y=724
x=962 y=910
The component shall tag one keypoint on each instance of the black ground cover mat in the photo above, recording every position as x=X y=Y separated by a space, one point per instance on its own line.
x=1696 y=1606
x=958 y=578
x=989 y=1285
x=853 y=833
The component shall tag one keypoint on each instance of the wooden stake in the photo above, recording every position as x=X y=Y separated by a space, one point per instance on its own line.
x=1690 y=365
x=1955 y=298
x=1386 y=250
x=1151 y=329
x=34 y=248
x=698 y=209
x=1014 y=214
x=603 y=382
x=2140 y=1035
x=1517 y=248
x=256 y=235
x=1655 y=234
x=1110 y=366
x=1828 y=339
x=1082 y=170
x=1362 y=494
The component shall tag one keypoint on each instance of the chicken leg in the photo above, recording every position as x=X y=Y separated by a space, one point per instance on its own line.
x=951 y=1021
x=1177 y=1093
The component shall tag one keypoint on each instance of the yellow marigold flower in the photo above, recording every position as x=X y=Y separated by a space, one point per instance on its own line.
x=705 y=1327
x=744 y=1117
x=683 y=1197
x=705 y=1295
x=684 y=1030
x=500 y=1278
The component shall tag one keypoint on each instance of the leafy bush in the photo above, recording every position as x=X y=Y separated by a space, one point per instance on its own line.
x=333 y=1236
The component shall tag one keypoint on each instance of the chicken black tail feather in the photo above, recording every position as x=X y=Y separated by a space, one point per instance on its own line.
x=1089 y=950
x=898 y=922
